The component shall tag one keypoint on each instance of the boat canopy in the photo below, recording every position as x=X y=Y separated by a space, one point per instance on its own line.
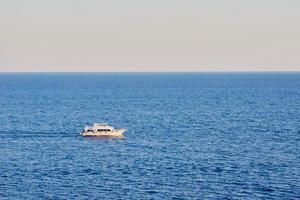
x=99 y=126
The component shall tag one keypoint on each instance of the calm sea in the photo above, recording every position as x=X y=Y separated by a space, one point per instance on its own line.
x=190 y=136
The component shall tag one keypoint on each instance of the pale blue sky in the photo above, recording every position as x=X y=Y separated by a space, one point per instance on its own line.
x=149 y=35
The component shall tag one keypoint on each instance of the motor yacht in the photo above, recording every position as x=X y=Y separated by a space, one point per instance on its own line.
x=102 y=130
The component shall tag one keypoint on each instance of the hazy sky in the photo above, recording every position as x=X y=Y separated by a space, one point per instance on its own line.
x=149 y=35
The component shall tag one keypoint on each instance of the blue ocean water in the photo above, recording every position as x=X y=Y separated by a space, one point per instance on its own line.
x=190 y=136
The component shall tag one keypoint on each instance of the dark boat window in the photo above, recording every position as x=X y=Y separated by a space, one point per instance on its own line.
x=103 y=130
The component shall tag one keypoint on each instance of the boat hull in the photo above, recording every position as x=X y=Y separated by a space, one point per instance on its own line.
x=110 y=134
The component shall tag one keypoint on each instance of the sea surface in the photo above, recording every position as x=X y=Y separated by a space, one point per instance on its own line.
x=190 y=136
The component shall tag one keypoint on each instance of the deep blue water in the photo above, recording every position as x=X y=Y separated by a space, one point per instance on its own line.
x=190 y=136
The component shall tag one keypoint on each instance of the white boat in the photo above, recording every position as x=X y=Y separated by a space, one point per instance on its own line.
x=102 y=130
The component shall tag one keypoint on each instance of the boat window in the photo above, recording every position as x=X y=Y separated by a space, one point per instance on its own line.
x=103 y=130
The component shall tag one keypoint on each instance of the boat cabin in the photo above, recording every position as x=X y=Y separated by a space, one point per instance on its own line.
x=98 y=128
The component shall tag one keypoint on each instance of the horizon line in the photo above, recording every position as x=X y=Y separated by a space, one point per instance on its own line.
x=215 y=71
